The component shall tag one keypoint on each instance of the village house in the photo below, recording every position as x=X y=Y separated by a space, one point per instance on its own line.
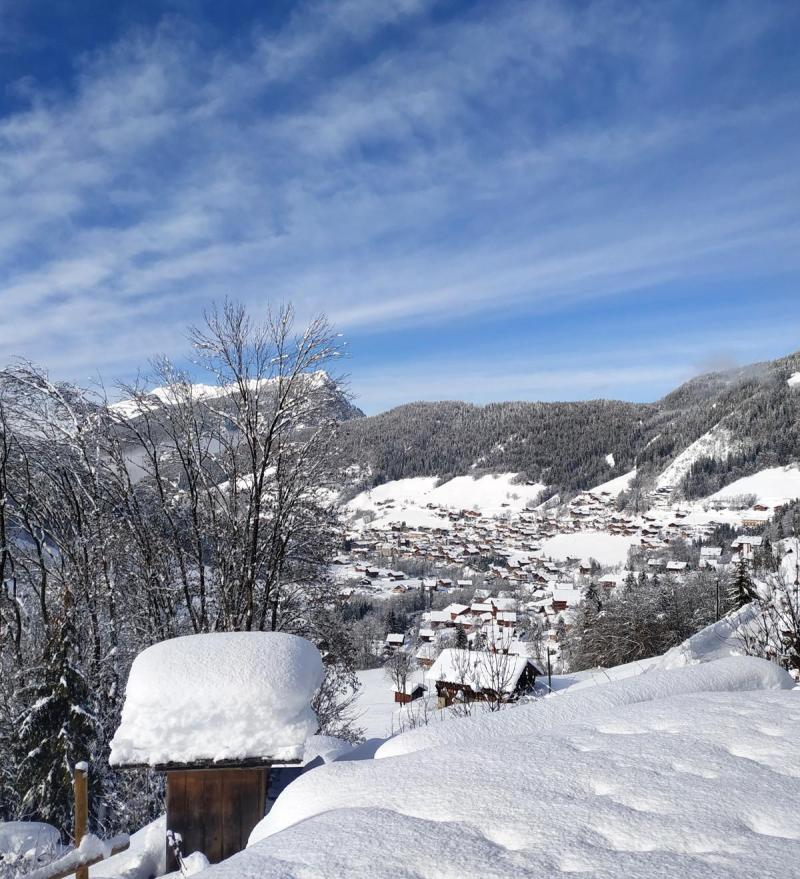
x=481 y=675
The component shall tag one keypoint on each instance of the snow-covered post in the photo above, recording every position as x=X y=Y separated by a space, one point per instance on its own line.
x=214 y=712
x=81 y=789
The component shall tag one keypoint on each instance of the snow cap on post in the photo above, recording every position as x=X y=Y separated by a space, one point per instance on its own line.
x=220 y=698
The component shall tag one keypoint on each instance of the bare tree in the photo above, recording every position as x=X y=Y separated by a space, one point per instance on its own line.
x=774 y=630
x=398 y=667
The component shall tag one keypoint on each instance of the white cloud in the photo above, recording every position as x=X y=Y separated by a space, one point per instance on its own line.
x=441 y=175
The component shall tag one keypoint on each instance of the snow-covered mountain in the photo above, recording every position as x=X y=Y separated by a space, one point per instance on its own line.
x=339 y=406
x=709 y=432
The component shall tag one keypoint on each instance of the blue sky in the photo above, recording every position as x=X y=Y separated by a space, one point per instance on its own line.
x=491 y=200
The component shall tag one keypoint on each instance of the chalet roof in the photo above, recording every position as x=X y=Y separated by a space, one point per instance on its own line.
x=479 y=669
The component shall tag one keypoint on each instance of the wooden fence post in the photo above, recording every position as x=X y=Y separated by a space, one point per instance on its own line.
x=81 y=789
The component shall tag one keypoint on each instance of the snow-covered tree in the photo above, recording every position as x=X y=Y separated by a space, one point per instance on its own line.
x=57 y=727
x=740 y=589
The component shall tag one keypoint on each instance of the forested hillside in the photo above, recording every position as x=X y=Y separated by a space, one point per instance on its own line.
x=571 y=446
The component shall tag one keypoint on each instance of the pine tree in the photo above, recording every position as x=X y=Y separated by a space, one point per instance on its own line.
x=768 y=561
x=56 y=729
x=461 y=637
x=741 y=590
x=592 y=597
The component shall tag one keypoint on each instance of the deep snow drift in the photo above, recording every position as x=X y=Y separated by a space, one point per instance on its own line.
x=219 y=696
x=657 y=776
x=729 y=674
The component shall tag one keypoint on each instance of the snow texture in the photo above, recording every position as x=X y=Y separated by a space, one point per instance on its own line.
x=616 y=486
x=27 y=840
x=145 y=857
x=219 y=696
x=407 y=500
x=728 y=674
x=718 y=443
x=90 y=849
x=608 y=549
x=773 y=486
x=720 y=639
x=678 y=780
x=794 y=380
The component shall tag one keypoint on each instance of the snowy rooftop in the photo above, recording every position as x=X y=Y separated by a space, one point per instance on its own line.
x=479 y=669
x=221 y=697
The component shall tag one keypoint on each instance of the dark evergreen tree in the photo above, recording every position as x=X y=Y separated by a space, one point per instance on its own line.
x=57 y=728
x=741 y=590
x=461 y=637
x=593 y=596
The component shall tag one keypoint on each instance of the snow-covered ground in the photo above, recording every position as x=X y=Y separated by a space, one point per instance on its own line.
x=608 y=549
x=616 y=486
x=718 y=443
x=407 y=500
x=794 y=380
x=690 y=772
x=377 y=710
x=773 y=486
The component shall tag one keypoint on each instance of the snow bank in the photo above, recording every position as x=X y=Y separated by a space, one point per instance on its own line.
x=699 y=786
x=145 y=857
x=608 y=549
x=729 y=674
x=220 y=696
x=325 y=749
x=720 y=639
x=28 y=840
x=794 y=380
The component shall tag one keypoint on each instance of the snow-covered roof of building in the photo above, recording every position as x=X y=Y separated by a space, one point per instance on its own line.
x=479 y=669
x=224 y=697
x=456 y=609
x=745 y=540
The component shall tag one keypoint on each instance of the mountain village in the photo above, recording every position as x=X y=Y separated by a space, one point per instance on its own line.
x=493 y=576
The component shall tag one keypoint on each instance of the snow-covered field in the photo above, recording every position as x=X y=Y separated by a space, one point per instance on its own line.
x=690 y=772
x=774 y=486
x=616 y=486
x=408 y=499
x=608 y=549
x=376 y=706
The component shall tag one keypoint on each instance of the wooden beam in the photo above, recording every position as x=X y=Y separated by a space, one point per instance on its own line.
x=72 y=862
x=81 y=791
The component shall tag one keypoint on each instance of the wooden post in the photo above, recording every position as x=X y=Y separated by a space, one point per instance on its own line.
x=80 y=787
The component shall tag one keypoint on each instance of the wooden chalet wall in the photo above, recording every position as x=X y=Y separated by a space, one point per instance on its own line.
x=214 y=810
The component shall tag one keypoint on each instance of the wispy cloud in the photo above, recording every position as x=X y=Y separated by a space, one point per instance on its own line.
x=393 y=164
